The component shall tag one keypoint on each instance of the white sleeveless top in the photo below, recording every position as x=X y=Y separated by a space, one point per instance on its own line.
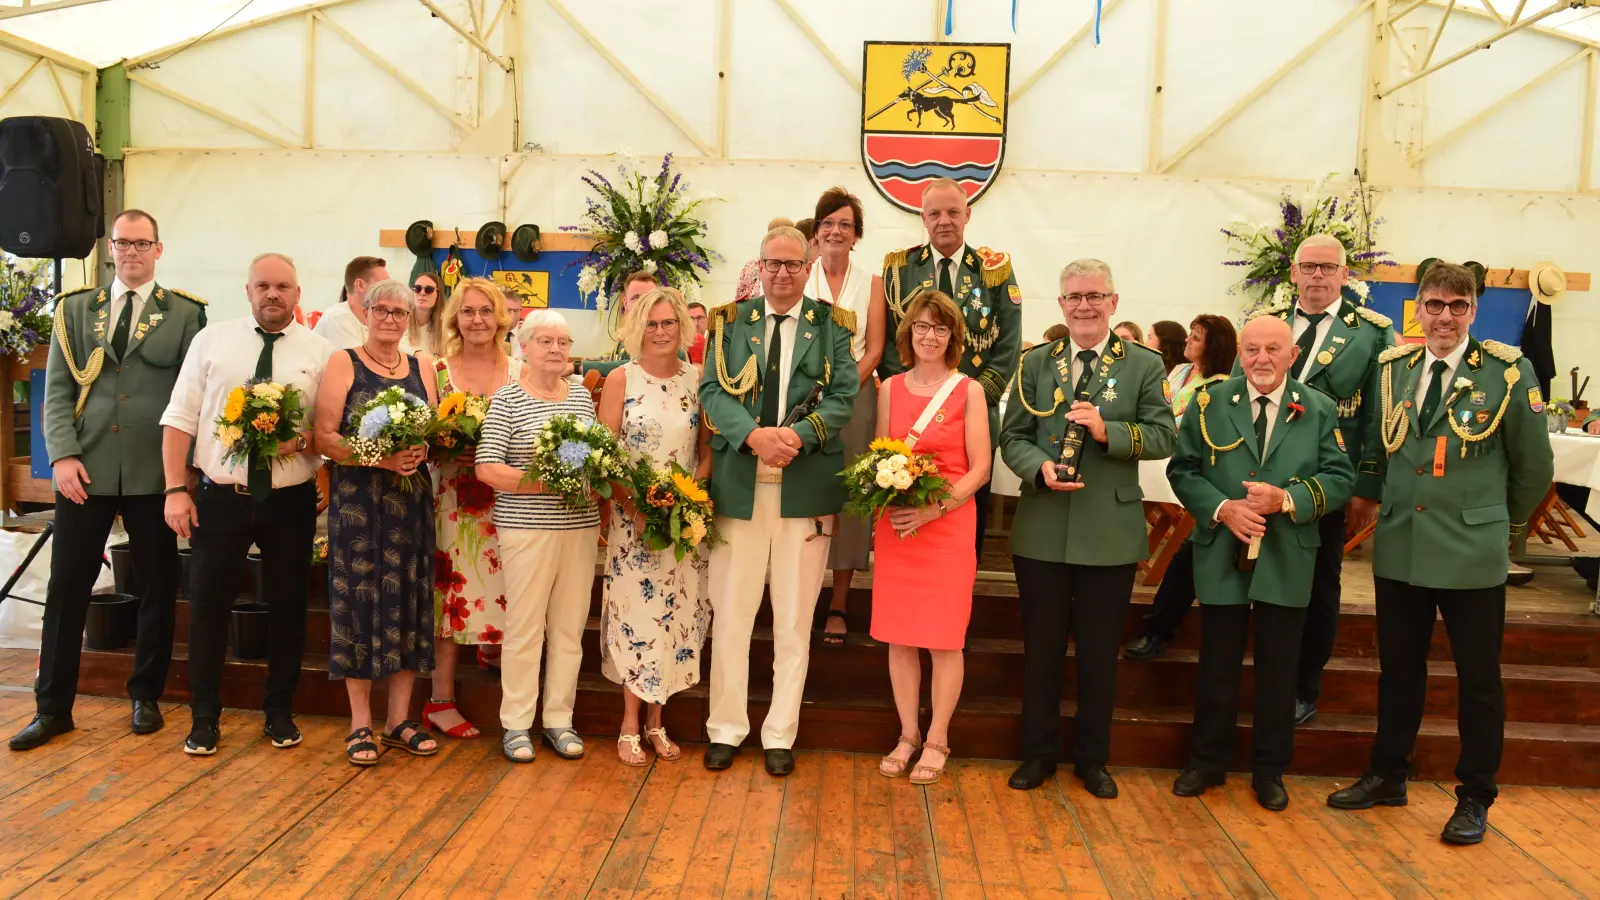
x=855 y=296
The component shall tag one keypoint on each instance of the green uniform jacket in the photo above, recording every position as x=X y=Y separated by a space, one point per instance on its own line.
x=1102 y=523
x=986 y=293
x=1345 y=367
x=118 y=433
x=1451 y=530
x=1306 y=455
x=730 y=398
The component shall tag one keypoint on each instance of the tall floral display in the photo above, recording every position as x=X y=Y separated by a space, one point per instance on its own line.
x=24 y=302
x=1267 y=248
x=643 y=223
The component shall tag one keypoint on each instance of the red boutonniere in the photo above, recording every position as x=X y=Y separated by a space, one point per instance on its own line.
x=1295 y=409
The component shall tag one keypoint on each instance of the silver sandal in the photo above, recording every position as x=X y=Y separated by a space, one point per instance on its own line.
x=515 y=741
x=562 y=740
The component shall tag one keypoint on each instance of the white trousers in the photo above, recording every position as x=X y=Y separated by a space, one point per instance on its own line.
x=549 y=577
x=738 y=574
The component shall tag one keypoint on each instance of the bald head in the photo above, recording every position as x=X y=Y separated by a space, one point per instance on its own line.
x=1266 y=352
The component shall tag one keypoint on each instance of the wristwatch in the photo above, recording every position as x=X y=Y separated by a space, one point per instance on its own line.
x=301 y=444
x=1288 y=505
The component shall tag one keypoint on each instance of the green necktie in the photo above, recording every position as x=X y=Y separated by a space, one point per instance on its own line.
x=773 y=381
x=119 y=337
x=1261 y=424
x=1307 y=342
x=1430 y=400
x=1086 y=358
x=946 y=282
x=260 y=478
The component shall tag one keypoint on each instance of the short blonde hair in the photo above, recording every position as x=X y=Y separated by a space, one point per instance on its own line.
x=638 y=315
x=541 y=318
x=451 y=342
x=951 y=183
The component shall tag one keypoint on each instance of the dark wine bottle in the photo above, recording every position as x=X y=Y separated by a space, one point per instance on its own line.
x=1244 y=559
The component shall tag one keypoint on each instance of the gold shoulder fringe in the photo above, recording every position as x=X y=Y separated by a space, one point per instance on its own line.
x=1503 y=352
x=726 y=312
x=996 y=267
x=894 y=259
x=1398 y=351
x=188 y=296
x=844 y=318
x=1276 y=309
x=1376 y=318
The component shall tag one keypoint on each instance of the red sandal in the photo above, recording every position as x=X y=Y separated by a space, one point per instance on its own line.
x=464 y=730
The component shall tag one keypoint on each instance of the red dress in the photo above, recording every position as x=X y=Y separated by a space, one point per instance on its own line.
x=922 y=585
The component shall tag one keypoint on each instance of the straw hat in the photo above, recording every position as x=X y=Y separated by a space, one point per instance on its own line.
x=1547 y=282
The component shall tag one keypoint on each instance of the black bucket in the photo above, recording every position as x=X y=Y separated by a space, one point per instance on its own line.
x=122 y=569
x=113 y=620
x=248 y=631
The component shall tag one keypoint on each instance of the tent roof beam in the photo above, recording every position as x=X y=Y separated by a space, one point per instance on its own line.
x=1515 y=24
x=30 y=7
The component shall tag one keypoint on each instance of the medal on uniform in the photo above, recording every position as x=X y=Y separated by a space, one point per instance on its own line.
x=1337 y=339
x=138 y=333
x=155 y=319
x=1478 y=398
x=1325 y=357
x=1109 y=394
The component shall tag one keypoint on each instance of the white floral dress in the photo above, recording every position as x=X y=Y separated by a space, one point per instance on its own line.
x=656 y=613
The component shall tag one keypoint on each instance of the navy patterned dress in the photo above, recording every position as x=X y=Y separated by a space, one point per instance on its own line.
x=380 y=556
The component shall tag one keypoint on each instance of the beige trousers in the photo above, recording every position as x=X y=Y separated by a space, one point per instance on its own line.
x=549 y=577
x=738 y=573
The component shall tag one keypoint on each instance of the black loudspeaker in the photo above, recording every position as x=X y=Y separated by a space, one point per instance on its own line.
x=50 y=188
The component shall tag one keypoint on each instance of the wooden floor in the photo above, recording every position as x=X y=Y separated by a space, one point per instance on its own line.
x=101 y=813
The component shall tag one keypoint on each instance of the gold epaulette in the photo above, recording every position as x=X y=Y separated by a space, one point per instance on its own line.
x=188 y=296
x=1398 y=351
x=1376 y=318
x=844 y=318
x=726 y=312
x=1503 y=352
x=1276 y=309
x=73 y=293
x=996 y=266
x=894 y=259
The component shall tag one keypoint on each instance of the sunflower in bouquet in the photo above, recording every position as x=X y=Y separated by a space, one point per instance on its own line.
x=460 y=426
x=571 y=458
x=891 y=474
x=257 y=418
x=676 y=509
x=391 y=421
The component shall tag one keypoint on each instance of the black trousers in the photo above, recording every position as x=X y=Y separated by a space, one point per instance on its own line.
x=284 y=525
x=1223 y=633
x=80 y=540
x=1475 y=621
x=1174 y=595
x=1089 y=604
x=1322 y=614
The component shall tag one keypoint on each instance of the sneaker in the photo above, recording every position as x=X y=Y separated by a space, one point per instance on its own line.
x=281 y=730
x=203 y=737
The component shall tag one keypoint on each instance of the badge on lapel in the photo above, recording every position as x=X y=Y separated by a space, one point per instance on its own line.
x=1015 y=293
x=755 y=316
x=1324 y=357
x=1535 y=399
x=1478 y=398
x=1166 y=391
x=1339 y=439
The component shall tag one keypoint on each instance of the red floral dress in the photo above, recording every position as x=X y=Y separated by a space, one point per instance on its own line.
x=469 y=587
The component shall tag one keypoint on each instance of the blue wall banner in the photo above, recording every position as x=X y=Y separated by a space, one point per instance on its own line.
x=1501 y=311
x=545 y=282
x=38 y=456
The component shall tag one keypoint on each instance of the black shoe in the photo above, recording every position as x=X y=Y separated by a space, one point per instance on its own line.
x=1372 y=790
x=40 y=730
x=1270 y=792
x=780 y=762
x=146 y=717
x=1468 y=824
x=1097 y=781
x=1517 y=576
x=1193 y=783
x=1145 y=646
x=1589 y=568
x=1031 y=774
x=203 y=738
x=1305 y=711
x=720 y=756
x=281 y=730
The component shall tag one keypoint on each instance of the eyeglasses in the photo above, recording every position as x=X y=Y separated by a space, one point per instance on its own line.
x=1324 y=268
x=922 y=328
x=422 y=289
x=662 y=325
x=792 y=266
x=125 y=246
x=545 y=343
x=389 y=315
x=830 y=225
x=1456 y=307
x=1094 y=299
x=476 y=314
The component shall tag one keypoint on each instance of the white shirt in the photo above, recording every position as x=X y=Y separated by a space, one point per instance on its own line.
x=119 y=291
x=855 y=294
x=791 y=327
x=1077 y=364
x=1301 y=323
x=1451 y=363
x=1274 y=400
x=223 y=356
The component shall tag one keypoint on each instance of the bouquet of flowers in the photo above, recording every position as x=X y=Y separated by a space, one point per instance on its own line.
x=643 y=223
x=24 y=321
x=460 y=425
x=1268 y=248
x=676 y=509
x=319 y=552
x=391 y=421
x=891 y=474
x=571 y=459
x=259 y=415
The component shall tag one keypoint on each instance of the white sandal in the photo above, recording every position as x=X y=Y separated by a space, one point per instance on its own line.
x=638 y=757
x=663 y=745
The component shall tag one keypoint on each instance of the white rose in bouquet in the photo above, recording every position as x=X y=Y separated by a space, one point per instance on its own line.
x=885 y=478
x=902 y=480
x=896 y=462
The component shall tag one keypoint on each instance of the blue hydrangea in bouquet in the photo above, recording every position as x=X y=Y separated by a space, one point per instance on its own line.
x=24 y=302
x=572 y=457
x=676 y=509
x=391 y=421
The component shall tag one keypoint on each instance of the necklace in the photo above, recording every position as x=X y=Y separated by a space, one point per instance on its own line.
x=559 y=395
x=398 y=358
x=912 y=377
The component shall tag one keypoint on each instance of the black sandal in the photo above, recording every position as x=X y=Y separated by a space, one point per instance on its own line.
x=367 y=746
x=830 y=638
x=412 y=746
